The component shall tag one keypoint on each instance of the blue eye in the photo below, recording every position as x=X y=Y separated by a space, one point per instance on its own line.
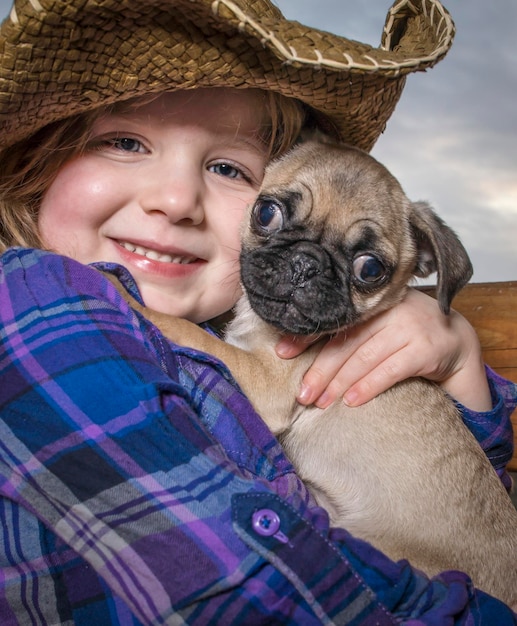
x=369 y=269
x=226 y=170
x=268 y=215
x=127 y=144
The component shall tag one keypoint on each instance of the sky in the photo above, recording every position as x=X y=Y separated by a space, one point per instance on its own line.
x=453 y=137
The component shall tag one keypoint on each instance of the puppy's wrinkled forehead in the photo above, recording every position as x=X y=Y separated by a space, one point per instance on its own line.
x=340 y=182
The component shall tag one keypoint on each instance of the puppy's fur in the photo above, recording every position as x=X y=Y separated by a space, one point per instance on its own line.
x=331 y=241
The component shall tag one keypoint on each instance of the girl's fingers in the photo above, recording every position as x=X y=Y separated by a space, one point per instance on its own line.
x=345 y=360
x=375 y=364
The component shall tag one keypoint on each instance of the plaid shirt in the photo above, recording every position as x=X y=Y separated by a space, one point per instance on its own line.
x=133 y=474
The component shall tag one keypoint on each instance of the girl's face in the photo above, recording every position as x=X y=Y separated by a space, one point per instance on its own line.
x=162 y=190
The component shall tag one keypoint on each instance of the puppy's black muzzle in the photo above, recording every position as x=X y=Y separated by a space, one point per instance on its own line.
x=296 y=287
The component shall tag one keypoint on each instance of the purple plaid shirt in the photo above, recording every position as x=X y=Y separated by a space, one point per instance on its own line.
x=137 y=485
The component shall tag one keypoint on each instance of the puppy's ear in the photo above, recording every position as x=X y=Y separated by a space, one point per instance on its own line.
x=439 y=250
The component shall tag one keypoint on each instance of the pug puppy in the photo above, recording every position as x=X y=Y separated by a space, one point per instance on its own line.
x=331 y=241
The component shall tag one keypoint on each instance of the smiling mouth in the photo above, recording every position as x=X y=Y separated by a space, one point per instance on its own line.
x=154 y=255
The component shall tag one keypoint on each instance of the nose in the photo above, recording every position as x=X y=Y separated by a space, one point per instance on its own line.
x=307 y=261
x=177 y=195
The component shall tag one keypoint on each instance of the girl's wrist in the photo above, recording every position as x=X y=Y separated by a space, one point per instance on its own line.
x=469 y=387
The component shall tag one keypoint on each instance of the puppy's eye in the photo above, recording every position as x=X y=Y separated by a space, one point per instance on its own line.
x=268 y=215
x=369 y=269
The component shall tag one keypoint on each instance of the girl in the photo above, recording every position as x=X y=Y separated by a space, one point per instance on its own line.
x=136 y=479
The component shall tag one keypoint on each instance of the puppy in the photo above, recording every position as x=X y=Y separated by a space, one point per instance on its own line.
x=331 y=241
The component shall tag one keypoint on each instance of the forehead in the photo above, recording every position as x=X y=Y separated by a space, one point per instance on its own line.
x=338 y=188
x=222 y=109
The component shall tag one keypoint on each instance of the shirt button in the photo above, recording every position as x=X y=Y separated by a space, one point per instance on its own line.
x=265 y=522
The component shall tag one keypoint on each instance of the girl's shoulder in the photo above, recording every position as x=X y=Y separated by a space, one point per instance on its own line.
x=58 y=276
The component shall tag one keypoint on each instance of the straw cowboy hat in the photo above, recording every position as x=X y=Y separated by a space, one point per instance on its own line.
x=60 y=57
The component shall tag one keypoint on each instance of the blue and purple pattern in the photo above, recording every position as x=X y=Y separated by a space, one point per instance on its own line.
x=131 y=471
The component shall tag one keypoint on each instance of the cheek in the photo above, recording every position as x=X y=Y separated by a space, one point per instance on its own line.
x=75 y=201
x=231 y=230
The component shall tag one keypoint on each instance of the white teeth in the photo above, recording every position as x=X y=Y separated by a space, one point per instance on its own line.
x=156 y=256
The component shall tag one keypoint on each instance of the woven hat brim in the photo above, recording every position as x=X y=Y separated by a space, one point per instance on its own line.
x=60 y=57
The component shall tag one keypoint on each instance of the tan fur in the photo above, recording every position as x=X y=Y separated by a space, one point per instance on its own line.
x=402 y=471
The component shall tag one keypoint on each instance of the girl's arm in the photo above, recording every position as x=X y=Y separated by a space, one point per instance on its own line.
x=412 y=339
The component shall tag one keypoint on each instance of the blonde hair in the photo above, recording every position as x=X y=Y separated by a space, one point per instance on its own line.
x=29 y=167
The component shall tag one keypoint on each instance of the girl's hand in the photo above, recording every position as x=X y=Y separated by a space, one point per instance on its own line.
x=412 y=339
